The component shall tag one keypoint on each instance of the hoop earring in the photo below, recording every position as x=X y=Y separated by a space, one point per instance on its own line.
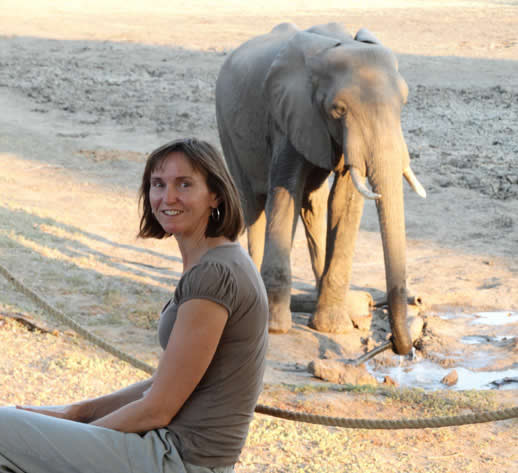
x=215 y=214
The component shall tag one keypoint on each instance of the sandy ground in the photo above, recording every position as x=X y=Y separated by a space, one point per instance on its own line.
x=88 y=88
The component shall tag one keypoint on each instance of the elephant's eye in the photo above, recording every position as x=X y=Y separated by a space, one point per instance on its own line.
x=337 y=111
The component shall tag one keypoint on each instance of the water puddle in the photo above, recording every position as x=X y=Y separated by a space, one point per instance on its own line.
x=495 y=318
x=484 y=318
x=428 y=375
x=480 y=347
x=481 y=339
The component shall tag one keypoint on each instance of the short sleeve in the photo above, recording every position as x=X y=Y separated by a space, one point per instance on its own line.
x=210 y=280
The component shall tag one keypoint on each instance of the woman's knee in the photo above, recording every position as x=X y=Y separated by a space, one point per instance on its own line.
x=7 y=414
x=17 y=423
x=11 y=427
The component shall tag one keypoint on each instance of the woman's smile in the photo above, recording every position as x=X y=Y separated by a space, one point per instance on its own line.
x=172 y=213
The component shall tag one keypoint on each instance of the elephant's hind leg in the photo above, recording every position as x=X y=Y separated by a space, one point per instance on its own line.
x=256 y=227
x=276 y=270
x=287 y=181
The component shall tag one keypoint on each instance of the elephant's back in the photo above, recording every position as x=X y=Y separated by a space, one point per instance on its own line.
x=256 y=55
x=242 y=74
x=240 y=106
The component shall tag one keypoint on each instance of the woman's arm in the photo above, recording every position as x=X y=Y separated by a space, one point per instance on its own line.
x=92 y=409
x=191 y=347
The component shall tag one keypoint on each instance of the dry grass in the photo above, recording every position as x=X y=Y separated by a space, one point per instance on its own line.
x=53 y=368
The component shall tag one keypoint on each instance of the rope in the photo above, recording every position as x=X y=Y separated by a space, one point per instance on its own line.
x=433 y=422
x=87 y=335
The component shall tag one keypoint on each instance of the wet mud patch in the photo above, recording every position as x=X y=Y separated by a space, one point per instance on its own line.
x=458 y=351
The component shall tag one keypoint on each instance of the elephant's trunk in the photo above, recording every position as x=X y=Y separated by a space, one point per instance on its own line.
x=392 y=226
x=388 y=181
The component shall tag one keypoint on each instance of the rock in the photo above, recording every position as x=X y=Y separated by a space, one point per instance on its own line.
x=338 y=372
x=413 y=310
x=415 y=327
x=359 y=304
x=498 y=383
x=388 y=381
x=450 y=379
x=362 y=322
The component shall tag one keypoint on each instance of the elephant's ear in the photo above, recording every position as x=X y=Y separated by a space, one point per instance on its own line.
x=365 y=36
x=288 y=91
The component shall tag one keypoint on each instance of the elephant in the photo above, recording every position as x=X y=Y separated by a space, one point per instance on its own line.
x=296 y=109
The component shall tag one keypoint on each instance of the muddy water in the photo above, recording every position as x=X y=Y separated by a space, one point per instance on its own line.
x=482 y=348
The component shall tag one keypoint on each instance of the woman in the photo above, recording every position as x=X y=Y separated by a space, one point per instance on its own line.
x=193 y=414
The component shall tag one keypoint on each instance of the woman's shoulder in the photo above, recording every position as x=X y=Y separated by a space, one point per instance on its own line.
x=207 y=272
x=211 y=279
x=225 y=272
x=234 y=257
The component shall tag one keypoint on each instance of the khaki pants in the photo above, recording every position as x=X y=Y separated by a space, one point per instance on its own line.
x=34 y=443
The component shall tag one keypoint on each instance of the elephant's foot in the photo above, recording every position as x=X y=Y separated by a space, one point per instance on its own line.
x=344 y=318
x=279 y=306
x=332 y=320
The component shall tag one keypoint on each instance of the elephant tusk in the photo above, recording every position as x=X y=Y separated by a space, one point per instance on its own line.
x=360 y=185
x=414 y=183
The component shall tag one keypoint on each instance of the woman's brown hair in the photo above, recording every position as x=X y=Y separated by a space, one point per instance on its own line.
x=206 y=160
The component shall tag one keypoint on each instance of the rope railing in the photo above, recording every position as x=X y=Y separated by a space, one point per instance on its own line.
x=432 y=422
x=390 y=424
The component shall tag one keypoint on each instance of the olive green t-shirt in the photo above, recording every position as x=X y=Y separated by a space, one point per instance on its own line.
x=211 y=427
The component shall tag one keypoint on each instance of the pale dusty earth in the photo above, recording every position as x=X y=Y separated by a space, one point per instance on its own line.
x=87 y=88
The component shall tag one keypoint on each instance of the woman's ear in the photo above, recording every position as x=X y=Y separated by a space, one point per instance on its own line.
x=289 y=91
x=215 y=200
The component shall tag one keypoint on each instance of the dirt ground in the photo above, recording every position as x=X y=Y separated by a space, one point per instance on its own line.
x=88 y=88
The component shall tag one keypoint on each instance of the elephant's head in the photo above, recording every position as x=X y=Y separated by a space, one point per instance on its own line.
x=334 y=96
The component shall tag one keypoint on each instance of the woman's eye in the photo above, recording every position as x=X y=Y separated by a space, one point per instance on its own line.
x=185 y=184
x=156 y=184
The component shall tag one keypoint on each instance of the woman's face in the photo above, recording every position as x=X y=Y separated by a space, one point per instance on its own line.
x=180 y=198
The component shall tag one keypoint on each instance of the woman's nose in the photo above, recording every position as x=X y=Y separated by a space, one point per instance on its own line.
x=170 y=194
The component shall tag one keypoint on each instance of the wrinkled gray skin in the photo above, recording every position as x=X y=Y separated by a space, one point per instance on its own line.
x=292 y=107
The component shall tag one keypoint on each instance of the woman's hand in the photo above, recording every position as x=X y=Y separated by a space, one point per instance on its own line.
x=89 y=410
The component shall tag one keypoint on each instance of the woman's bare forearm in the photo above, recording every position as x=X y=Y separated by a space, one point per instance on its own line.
x=90 y=410
x=93 y=409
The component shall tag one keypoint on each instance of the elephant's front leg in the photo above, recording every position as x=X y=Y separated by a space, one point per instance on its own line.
x=345 y=210
x=282 y=210
x=313 y=214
